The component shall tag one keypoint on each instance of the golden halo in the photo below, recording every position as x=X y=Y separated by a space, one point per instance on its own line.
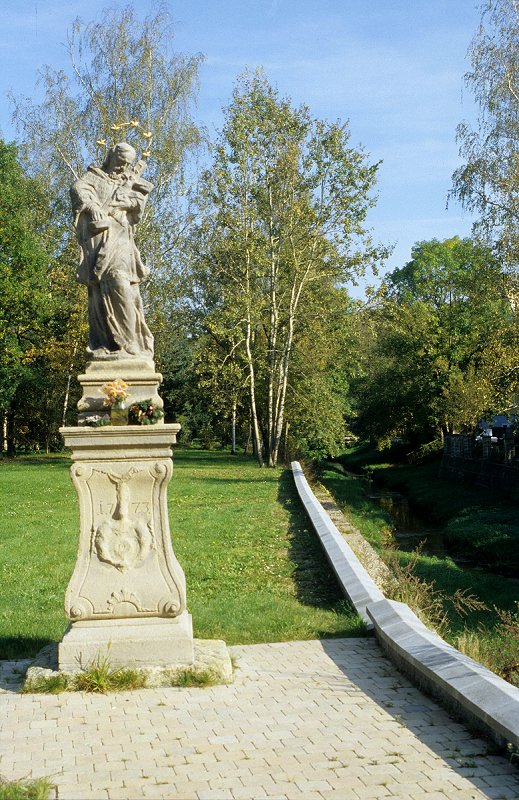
x=135 y=125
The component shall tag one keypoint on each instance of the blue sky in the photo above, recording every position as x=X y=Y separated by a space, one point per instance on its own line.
x=393 y=68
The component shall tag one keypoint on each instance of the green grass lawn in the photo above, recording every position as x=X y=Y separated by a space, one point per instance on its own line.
x=38 y=544
x=254 y=570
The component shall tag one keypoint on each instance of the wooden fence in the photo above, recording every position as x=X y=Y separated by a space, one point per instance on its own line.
x=482 y=462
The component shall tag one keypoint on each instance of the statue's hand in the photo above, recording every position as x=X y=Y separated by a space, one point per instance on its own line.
x=95 y=213
x=125 y=201
x=124 y=205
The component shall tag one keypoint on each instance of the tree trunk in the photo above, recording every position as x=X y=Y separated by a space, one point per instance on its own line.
x=247 y=443
x=298 y=283
x=282 y=386
x=252 y=374
x=11 y=433
x=67 y=390
x=252 y=386
x=233 y=428
x=272 y=334
x=280 y=410
x=285 y=457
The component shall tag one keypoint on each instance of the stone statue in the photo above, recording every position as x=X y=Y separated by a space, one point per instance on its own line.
x=108 y=202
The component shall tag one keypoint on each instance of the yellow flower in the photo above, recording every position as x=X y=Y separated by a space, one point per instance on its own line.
x=114 y=391
x=146 y=153
x=147 y=135
x=134 y=123
x=101 y=141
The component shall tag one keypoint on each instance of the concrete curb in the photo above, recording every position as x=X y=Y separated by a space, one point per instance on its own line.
x=356 y=583
x=482 y=698
x=474 y=692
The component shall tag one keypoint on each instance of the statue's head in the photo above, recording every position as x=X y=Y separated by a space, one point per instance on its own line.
x=119 y=157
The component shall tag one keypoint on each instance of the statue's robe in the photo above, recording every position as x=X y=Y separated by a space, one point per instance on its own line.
x=111 y=265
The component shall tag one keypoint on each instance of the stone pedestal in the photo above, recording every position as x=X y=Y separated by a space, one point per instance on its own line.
x=127 y=595
x=138 y=373
x=137 y=643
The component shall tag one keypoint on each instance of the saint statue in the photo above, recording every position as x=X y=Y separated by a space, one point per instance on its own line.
x=108 y=202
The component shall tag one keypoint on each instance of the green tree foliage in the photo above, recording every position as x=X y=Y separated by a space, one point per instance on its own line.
x=282 y=213
x=25 y=296
x=488 y=182
x=318 y=397
x=122 y=69
x=440 y=341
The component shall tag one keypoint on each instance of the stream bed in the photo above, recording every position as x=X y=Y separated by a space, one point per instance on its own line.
x=410 y=530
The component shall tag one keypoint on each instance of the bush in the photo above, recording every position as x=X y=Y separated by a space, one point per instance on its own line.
x=487 y=535
x=207 y=437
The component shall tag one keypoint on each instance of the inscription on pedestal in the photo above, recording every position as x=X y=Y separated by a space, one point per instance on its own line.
x=123 y=539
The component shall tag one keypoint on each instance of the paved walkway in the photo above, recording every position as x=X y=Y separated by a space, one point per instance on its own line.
x=303 y=721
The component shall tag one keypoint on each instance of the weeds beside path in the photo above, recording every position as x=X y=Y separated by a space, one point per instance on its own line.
x=254 y=571
x=39 y=789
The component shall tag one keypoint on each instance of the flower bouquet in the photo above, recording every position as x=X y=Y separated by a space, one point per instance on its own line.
x=115 y=397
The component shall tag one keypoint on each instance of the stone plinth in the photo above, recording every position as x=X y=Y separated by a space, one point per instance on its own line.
x=157 y=642
x=138 y=373
x=128 y=589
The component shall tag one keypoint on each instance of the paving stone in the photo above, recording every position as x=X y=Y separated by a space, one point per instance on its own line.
x=121 y=793
x=303 y=721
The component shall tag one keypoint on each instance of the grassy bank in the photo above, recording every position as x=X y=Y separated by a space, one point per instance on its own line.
x=446 y=577
x=476 y=523
x=254 y=571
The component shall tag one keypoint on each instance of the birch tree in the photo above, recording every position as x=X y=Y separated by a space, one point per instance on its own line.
x=488 y=181
x=283 y=210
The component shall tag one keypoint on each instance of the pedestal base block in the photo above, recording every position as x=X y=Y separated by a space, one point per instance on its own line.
x=145 y=642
